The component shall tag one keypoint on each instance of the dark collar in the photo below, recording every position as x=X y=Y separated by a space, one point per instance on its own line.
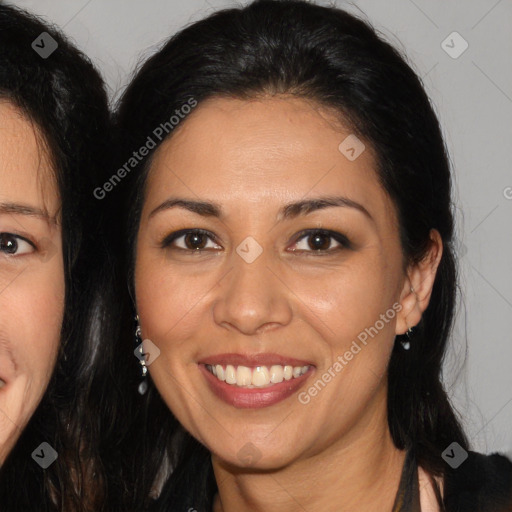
x=408 y=495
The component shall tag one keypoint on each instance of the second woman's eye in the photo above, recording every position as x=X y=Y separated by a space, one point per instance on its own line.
x=320 y=241
x=15 y=245
x=190 y=240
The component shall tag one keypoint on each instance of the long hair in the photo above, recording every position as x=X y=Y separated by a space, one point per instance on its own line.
x=335 y=59
x=63 y=96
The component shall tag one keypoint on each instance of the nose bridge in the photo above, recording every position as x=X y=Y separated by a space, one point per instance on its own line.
x=251 y=296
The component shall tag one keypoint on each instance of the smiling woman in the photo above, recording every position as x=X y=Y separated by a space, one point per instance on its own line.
x=53 y=137
x=293 y=237
x=32 y=285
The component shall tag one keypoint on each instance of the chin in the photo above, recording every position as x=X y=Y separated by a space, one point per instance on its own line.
x=249 y=457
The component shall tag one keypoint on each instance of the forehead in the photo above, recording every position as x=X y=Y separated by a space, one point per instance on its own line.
x=25 y=171
x=263 y=152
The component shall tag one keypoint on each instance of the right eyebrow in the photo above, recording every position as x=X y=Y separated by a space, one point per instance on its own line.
x=202 y=208
x=24 y=209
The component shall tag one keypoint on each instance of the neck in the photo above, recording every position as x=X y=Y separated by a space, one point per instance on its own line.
x=359 y=472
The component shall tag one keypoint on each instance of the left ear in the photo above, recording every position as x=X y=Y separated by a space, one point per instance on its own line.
x=417 y=288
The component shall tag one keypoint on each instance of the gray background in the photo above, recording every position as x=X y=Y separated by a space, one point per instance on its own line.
x=473 y=98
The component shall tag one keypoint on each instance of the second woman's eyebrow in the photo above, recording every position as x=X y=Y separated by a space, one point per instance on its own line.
x=288 y=211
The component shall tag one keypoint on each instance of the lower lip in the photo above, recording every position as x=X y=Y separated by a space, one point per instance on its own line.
x=253 y=398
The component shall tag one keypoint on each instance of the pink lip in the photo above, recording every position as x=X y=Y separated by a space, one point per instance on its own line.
x=253 y=398
x=253 y=360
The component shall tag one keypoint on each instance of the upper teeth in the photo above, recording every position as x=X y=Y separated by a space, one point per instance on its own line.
x=258 y=376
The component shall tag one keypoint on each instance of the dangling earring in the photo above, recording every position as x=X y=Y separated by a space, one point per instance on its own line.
x=407 y=343
x=143 y=386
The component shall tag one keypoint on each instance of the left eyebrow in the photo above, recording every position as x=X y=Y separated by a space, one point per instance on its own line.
x=306 y=206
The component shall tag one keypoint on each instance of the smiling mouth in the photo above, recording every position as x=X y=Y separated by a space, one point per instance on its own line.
x=256 y=377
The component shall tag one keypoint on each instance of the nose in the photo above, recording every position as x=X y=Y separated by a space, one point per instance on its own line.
x=252 y=298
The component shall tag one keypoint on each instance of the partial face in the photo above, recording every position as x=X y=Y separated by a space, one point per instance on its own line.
x=277 y=298
x=31 y=275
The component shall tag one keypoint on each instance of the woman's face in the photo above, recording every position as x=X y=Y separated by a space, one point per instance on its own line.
x=264 y=300
x=31 y=275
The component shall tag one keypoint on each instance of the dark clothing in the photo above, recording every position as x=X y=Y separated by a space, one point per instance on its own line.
x=482 y=483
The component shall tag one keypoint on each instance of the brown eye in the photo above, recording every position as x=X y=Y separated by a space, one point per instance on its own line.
x=14 y=245
x=190 y=240
x=195 y=240
x=320 y=241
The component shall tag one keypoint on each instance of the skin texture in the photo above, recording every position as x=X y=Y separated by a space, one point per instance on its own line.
x=31 y=275
x=334 y=453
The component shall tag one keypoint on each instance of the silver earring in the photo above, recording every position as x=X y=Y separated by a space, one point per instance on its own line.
x=143 y=386
x=407 y=343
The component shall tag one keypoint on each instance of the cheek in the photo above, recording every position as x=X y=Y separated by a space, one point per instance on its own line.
x=31 y=312
x=352 y=311
x=343 y=303
x=356 y=314
x=172 y=314
x=34 y=321
x=168 y=300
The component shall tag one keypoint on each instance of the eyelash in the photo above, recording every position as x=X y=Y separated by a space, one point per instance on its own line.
x=17 y=237
x=338 y=237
